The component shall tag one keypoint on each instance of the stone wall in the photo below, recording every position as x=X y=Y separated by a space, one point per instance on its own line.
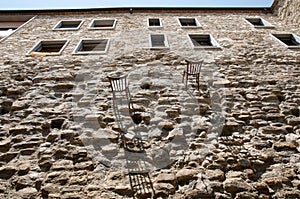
x=287 y=11
x=237 y=137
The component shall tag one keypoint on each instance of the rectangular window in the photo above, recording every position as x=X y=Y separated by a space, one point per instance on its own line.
x=289 y=40
x=49 y=47
x=68 y=25
x=158 y=41
x=103 y=24
x=188 y=22
x=203 y=41
x=259 y=23
x=154 y=22
x=91 y=46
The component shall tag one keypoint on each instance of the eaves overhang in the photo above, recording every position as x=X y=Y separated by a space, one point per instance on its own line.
x=140 y=10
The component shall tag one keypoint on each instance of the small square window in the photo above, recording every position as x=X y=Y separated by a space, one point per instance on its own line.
x=154 y=22
x=188 y=22
x=68 y=25
x=158 y=41
x=92 y=46
x=289 y=40
x=50 y=47
x=259 y=23
x=103 y=24
x=204 y=41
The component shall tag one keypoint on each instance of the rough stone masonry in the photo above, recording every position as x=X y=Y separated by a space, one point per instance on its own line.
x=237 y=137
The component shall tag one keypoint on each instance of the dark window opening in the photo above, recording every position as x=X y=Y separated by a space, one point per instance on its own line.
x=68 y=24
x=92 y=46
x=154 y=22
x=287 y=39
x=103 y=23
x=188 y=22
x=158 y=41
x=50 y=46
x=57 y=123
x=256 y=22
x=201 y=40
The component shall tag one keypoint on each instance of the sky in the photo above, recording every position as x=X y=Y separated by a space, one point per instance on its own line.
x=75 y=4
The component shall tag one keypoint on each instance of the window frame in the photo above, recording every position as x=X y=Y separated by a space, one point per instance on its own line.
x=214 y=44
x=80 y=43
x=56 y=28
x=297 y=38
x=198 y=25
x=91 y=27
x=33 y=52
x=265 y=23
x=166 y=42
x=160 y=22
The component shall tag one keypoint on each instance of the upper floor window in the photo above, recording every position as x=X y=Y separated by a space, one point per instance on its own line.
x=154 y=22
x=203 y=41
x=92 y=46
x=103 y=24
x=189 y=22
x=68 y=25
x=158 y=41
x=289 y=40
x=259 y=23
x=48 y=47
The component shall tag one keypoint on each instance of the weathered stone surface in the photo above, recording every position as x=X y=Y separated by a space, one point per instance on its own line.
x=246 y=195
x=293 y=121
x=7 y=172
x=26 y=145
x=164 y=189
x=287 y=11
x=63 y=165
x=279 y=146
x=5 y=145
x=214 y=175
x=273 y=130
x=235 y=137
x=185 y=174
x=6 y=157
x=24 y=169
x=84 y=166
x=19 y=105
x=28 y=192
x=235 y=185
x=166 y=178
x=19 y=130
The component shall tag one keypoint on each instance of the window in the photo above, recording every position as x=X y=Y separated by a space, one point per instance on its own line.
x=289 y=40
x=259 y=23
x=205 y=41
x=92 y=46
x=158 y=41
x=188 y=22
x=68 y=25
x=50 y=47
x=154 y=22
x=103 y=24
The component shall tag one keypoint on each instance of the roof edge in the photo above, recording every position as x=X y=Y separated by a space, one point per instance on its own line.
x=274 y=5
x=135 y=9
